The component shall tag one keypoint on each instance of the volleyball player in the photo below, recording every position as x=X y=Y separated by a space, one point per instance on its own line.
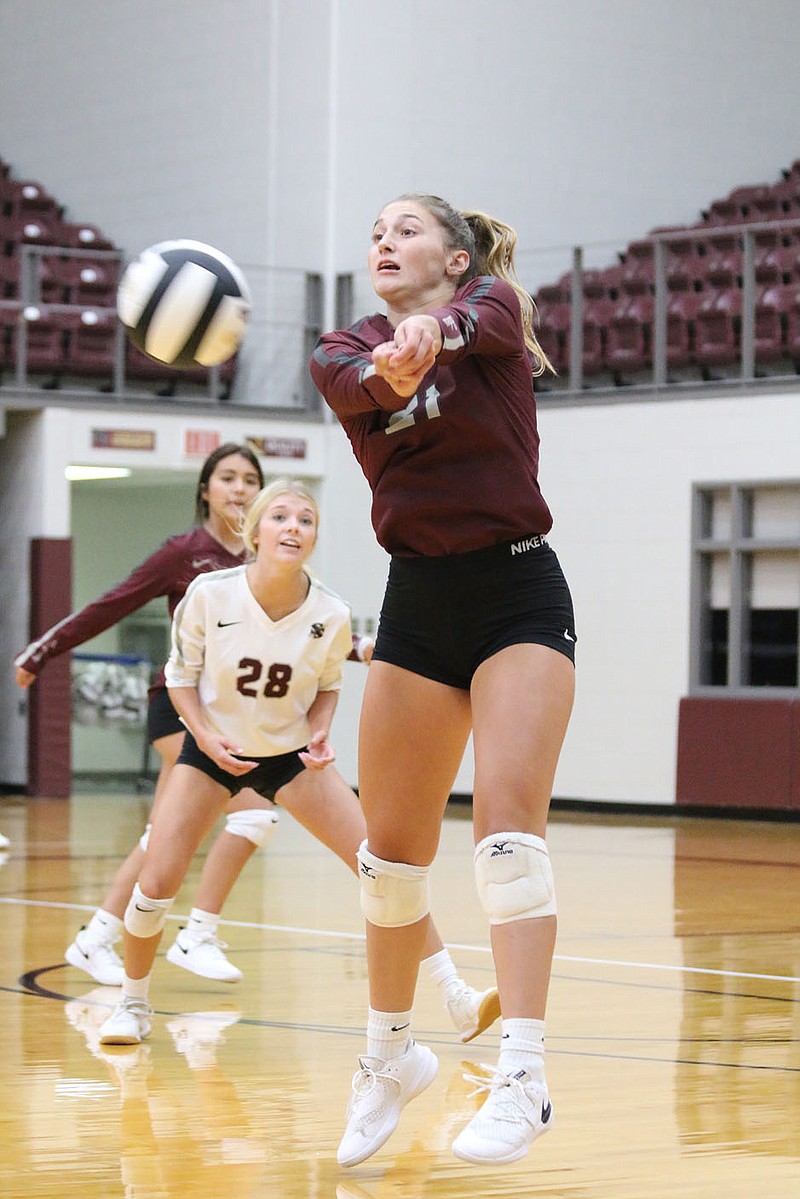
x=255 y=670
x=476 y=632
x=229 y=480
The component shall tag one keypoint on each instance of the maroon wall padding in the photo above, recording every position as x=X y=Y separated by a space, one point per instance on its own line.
x=49 y=702
x=739 y=753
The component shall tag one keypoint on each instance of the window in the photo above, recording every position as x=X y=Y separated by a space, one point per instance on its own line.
x=746 y=587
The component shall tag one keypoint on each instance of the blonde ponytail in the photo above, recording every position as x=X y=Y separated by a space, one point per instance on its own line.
x=495 y=243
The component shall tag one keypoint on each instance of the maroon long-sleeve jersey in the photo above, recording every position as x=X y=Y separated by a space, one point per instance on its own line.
x=454 y=468
x=167 y=572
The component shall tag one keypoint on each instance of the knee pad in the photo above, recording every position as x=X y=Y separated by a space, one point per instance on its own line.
x=254 y=824
x=514 y=877
x=393 y=894
x=144 y=917
x=145 y=837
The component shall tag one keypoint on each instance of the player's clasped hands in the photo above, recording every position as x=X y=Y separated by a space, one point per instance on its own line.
x=222 y=751
x=319 y=753
x=405 y=361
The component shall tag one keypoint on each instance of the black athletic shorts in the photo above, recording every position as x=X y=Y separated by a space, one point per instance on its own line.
x=162 y=719
x=267 y=778
x=443 y=616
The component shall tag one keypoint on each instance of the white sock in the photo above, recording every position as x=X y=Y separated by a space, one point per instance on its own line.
x=441 y=970
x=135 y=988
x=202 y=922
x=522 y=1047
x=388 y=1034
x=104 y=928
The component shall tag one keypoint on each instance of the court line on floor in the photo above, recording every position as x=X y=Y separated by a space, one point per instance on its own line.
x=319 y=932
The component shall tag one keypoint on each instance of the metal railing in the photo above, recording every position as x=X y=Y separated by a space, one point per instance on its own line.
x=746 y=232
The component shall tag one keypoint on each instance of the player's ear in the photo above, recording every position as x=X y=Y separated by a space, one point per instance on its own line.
x=457 y=263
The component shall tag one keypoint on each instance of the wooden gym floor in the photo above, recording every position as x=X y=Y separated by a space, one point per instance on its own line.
x=673 y=1027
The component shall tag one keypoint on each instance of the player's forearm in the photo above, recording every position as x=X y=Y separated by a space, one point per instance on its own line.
x=320 y=714
x=186 y=702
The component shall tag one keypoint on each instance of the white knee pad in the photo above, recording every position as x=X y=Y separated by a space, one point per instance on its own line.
x=514 y=877
x=144 y=917
x=145 y=837
x=393 y=894
x=254 y=824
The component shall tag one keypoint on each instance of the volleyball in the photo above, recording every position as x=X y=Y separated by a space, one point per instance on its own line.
x=184 y=303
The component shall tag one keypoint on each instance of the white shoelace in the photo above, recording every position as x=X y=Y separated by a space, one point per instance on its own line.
x=515 y=1100
x=209 y=939
x=365 y=1082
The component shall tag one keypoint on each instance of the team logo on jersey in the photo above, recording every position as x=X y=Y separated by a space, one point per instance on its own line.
x=317 y=629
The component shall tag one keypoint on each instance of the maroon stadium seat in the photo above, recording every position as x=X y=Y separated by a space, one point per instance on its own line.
x=596 y=315
x=683 y=258
x=90 y=281
x=27 y=198
x=91 y=343
x=717 y=328
x=769 y=323
x=722 y=212
x=755 y=202
x=682 y=309
x=82 y=236
x=552 y=327
x=723 y=262
x=637 y=266
x=790 y=304
x=9 y=277
x=45 y=343
x=628 y=337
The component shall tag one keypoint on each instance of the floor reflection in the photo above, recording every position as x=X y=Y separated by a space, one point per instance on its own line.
x=739 y=1053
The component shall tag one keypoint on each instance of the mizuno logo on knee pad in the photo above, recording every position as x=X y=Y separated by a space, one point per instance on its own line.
x=514 y=877
x=393 y=894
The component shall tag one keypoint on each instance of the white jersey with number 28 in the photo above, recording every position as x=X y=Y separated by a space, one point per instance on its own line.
x=257 y=677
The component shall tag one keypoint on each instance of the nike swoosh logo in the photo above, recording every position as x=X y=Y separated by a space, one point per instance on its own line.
x=399 y=1027
x=224 y=624
x=568 y=635
x=148 y=910
x=547 y=1112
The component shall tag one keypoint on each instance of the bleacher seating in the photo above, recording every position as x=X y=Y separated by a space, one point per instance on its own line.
x=705 y=283
x=69 y=294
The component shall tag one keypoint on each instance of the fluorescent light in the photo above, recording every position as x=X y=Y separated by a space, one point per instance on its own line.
x=80 y=473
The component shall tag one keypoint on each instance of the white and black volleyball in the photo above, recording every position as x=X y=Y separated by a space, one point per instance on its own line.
x=184 y=304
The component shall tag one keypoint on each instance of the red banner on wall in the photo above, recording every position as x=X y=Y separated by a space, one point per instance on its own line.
x=199 y=443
